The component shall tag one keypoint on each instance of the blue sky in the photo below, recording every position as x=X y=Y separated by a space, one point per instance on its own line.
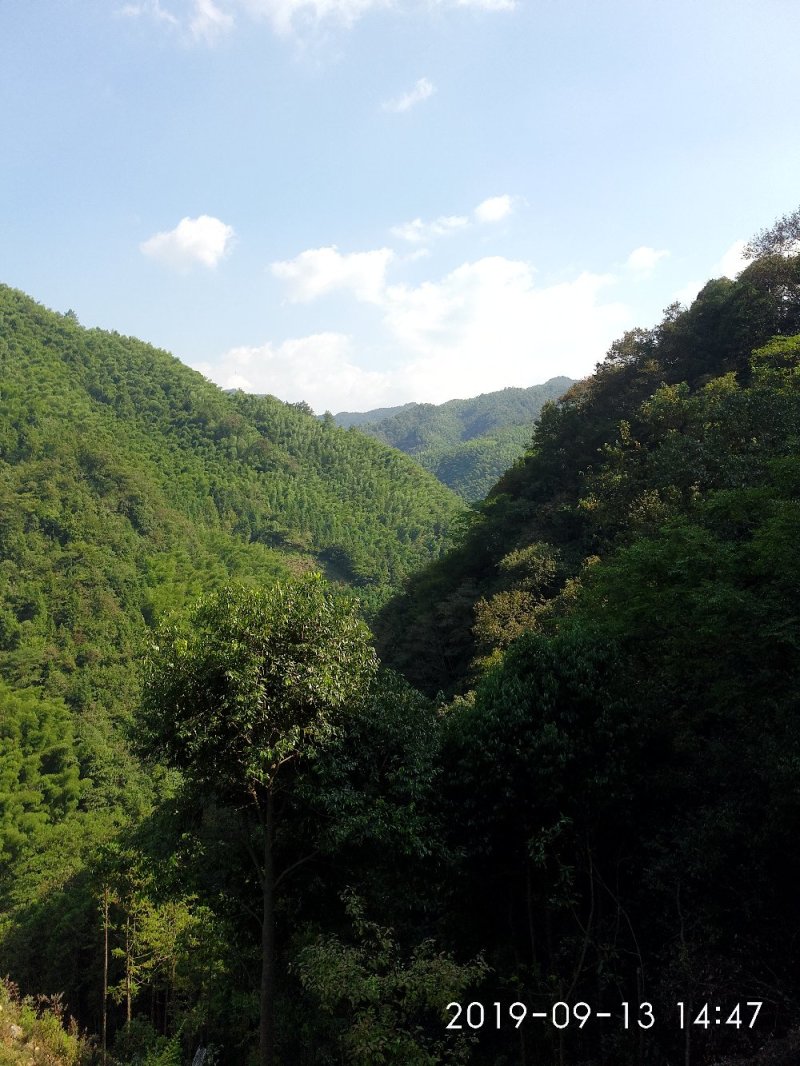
x=363 y=202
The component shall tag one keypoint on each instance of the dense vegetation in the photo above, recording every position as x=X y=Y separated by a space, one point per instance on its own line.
x=285 y=853
x=624 y=609
x=129 y=486
x=32 y=1033
x=574 y=495
x=466 y=444
x=129 y=483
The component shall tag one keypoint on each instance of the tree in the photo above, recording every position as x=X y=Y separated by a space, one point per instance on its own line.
x=257 y=682
x=781 y=238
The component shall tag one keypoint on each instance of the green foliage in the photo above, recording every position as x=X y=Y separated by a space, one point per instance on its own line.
x=372 y=784
x=129 y=487
x=34 y=1034
x=609 y=812
x=384 y=1007
x=253 y=680
x=781 y=238
x=672 y=412
x=258 y=683
x=39 y=777
x=620 y=789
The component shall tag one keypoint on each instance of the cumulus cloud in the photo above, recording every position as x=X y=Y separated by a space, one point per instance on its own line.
x=150 y=9
x=200 y=20
x=419 y=232
x=487 y=324
x=495 y=209
x=205 y=240
x=208 y=21
x=733 y=261
x=421 y=91
x=643 y=261
x=480 y=327
x=319 y=271
x=288 y=16
x=320 y=369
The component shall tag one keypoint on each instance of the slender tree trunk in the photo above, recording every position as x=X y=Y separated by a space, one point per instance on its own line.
x=105 y=974
x=128 y=964
x=267 y=1033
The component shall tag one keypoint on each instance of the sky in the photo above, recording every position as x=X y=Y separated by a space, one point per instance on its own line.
x=359 y=203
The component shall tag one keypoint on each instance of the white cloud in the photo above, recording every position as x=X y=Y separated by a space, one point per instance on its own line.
x=481 y=327
x=487 y=325
x=419 y=232
x=495 y=209
x=288 y=16
x=487 y=5
x=149 y=9
x=643 y=261
x=731 y=264
x=319 y=271
x=319 y=369
x=733 y=261
x=208 y=22
x=203 y=240
x=198 y=20
x=421 y=91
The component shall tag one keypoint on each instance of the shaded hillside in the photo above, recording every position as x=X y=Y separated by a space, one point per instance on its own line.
x=542 y=519
x=466 y=444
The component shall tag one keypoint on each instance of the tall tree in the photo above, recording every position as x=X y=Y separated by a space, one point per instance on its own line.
x=257 y=682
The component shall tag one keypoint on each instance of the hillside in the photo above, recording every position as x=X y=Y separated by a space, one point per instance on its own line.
x=466 y=444
x=130 y=485
x=619 y=627
x=543 y=518
x=35 y=1037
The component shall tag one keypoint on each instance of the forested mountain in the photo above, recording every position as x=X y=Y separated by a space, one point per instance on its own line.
x=579 y=848
x=129 y=486
x=346 y=419
x=466 y=444
x=620 y=622
x=550 y=513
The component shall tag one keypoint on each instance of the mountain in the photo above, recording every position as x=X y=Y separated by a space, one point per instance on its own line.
x=552 y=511
x=130 y=485
x=346 y=419
x=619 y=629
x=466 y=444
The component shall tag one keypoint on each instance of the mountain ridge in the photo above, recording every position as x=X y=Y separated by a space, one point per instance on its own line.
x=466 y=443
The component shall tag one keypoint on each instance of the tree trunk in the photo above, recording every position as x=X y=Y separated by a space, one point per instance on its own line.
x=128 y=965
x=267 y=1034
x=105 y=974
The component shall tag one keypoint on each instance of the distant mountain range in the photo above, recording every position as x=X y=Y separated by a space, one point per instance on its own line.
x=466 y=444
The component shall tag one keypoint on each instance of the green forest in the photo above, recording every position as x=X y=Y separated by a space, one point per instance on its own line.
x=304 y=762
x=466 y=444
